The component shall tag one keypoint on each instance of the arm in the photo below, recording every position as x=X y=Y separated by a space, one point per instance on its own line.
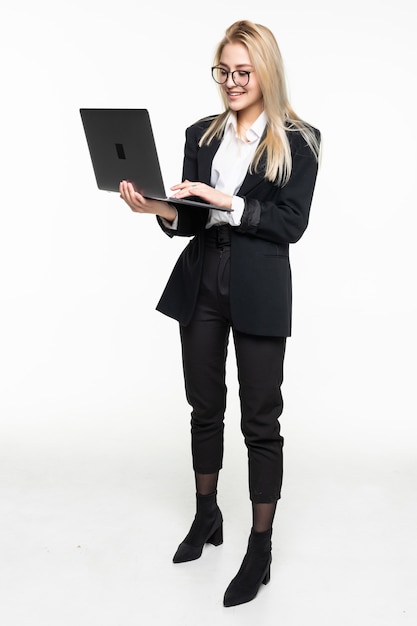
x=282 y=215
x=190 y=220
x=196 y=179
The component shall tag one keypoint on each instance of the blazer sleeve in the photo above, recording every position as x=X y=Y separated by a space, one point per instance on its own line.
x=191 y=220
x=281 y=214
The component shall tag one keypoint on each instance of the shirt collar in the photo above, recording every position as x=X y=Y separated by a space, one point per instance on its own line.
x=254 y=132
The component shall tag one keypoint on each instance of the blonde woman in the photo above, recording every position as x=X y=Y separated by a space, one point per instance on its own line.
x=257 y=161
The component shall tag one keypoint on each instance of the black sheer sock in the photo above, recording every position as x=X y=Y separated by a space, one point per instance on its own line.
x=206 y=483
x=263 y=515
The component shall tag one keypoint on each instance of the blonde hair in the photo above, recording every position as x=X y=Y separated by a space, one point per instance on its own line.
x=267 y=60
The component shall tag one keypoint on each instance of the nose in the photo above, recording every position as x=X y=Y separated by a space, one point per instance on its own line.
x=230 y=82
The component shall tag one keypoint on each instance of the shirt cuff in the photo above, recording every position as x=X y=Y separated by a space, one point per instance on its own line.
x=235 y=215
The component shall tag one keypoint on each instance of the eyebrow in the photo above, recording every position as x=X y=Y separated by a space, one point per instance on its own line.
x=237 y=66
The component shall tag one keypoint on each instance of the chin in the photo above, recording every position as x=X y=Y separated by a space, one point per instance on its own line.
x=237 y=106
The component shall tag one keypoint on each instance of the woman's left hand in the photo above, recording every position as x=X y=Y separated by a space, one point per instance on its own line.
x=203 y=191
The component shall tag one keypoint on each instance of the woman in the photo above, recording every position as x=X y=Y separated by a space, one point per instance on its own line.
x=257 y=161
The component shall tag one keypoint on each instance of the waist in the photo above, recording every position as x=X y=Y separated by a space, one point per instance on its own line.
x=218 y=236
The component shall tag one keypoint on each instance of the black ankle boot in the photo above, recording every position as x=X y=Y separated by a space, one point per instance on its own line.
x=207 y=527
x=255 y=570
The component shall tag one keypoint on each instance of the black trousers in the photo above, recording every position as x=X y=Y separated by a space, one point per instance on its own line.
x=260 y=372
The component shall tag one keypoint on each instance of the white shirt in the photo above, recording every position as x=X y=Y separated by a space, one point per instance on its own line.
x=229 y=168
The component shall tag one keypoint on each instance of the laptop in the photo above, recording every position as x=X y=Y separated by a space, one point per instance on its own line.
x=122 y=147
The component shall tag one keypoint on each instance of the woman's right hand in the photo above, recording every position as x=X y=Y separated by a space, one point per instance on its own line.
x=139 y=204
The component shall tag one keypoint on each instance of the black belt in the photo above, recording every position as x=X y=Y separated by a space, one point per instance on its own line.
x=218 y=236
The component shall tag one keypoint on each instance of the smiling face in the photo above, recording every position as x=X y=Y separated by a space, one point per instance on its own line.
x=247 y=102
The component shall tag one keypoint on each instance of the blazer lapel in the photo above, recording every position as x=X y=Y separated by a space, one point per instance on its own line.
x=250 y=183
x=206 y=156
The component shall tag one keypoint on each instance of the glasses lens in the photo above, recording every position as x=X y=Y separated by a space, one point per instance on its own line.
x=240 y=77
x=219 y=75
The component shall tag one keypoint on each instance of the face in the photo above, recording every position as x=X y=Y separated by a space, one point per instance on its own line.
x=246 y=101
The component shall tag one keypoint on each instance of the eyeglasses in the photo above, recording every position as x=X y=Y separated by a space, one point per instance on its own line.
x=239 y=77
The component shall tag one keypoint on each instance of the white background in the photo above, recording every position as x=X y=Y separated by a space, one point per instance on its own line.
x=90 y=374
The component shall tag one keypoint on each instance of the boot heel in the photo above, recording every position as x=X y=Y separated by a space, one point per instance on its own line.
x=217 y=537
x=267 y=576
x=207 y=527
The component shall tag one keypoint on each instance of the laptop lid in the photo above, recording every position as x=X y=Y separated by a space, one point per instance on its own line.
x=122 y=147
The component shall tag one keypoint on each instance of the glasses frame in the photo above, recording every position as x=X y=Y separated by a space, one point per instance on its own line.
x=226 y=72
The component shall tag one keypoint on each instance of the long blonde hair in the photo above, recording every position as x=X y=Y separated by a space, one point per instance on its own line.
x=266 y=57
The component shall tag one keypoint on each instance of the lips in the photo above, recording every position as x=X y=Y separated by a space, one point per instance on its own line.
x=235 y=94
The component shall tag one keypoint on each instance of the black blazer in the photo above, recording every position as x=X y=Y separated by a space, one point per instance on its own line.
x=260 y=273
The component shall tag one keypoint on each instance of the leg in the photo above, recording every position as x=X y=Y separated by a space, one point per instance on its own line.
x=260 y=367
x=204 y=350
x=260 y=363
x=205 y=484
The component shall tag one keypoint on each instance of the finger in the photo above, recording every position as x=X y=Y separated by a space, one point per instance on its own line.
x=128 y=195
x=186 y=189
x=132 y=195
x=186 y=184
x=125 y=192
x=194 y=189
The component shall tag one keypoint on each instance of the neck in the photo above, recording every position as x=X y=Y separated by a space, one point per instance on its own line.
x=244 y=126
x=247 y=117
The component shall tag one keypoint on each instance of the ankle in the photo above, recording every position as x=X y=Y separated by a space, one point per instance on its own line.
x=202 y=495
x=264 y=532
x=260 y=541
